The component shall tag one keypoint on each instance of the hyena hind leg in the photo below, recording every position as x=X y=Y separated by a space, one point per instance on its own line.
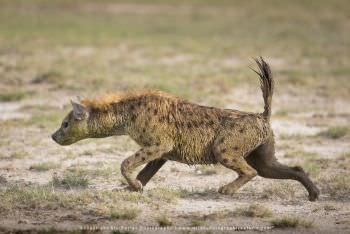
x=232 y=158
x=245 y=174
x=264 y=161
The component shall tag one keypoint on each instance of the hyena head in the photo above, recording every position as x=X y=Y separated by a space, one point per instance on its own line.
x=74 y=126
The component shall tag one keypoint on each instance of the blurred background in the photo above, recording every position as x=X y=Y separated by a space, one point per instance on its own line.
x=191 y=48
x=201 y=50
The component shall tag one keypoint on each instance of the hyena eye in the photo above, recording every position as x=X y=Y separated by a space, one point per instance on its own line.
x=65 y=125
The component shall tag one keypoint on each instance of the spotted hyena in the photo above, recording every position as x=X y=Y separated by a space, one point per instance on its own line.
x=169 y=128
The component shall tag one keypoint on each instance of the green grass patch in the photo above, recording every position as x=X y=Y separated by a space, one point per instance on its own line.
x=293 y=136
x=19 y=154
x=196 y=223
x=164 y=194
x=125 y=214
x=15 y=96
x=97 y=170
x=307 y=155
x=281 y=113
x=49 y=198
x=70 y=180
x=200 y=45
x=48 y=77
x=46 y=120
x=312 y=167
x=45 y=166
x=335 y=132
x=291 y=222
x=17 y=197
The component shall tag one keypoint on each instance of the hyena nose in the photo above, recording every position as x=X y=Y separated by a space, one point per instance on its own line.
x=53 y=136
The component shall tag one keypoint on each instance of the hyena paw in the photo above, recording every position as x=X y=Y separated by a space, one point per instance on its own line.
x=227 y=189
x=313 y=196
x=136 y=186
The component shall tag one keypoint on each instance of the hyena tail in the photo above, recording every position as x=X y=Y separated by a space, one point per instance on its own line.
x=266 y=84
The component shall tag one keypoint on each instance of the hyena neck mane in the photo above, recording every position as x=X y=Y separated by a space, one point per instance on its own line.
x=115 y=114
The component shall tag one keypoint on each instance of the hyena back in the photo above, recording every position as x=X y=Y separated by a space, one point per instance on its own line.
x=169 y=128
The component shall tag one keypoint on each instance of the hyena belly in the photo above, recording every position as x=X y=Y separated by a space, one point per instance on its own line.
x=196 y=129
x=190 y=148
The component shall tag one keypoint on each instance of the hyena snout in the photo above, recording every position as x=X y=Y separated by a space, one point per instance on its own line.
x=54 y=137
x=59 y=138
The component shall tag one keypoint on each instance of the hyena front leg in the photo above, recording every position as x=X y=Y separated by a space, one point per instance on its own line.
x=143 y=156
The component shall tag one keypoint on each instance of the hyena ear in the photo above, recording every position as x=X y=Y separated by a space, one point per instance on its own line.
x=80 y=111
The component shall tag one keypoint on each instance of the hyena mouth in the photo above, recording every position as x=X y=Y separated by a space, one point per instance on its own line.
x=60 y=141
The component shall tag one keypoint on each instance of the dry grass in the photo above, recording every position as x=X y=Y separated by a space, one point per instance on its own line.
x=53 y=230
x=3 y=180
x=282 y=190
x=206 y=170
x=329 y=207
x=87 y=153
x=220 y=214
x=164 y=221
x=122 y=232
x=255 y=210
x=337 y=185
x=326 y=207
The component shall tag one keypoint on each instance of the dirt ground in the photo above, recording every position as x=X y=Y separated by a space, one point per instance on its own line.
x=48 y=188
